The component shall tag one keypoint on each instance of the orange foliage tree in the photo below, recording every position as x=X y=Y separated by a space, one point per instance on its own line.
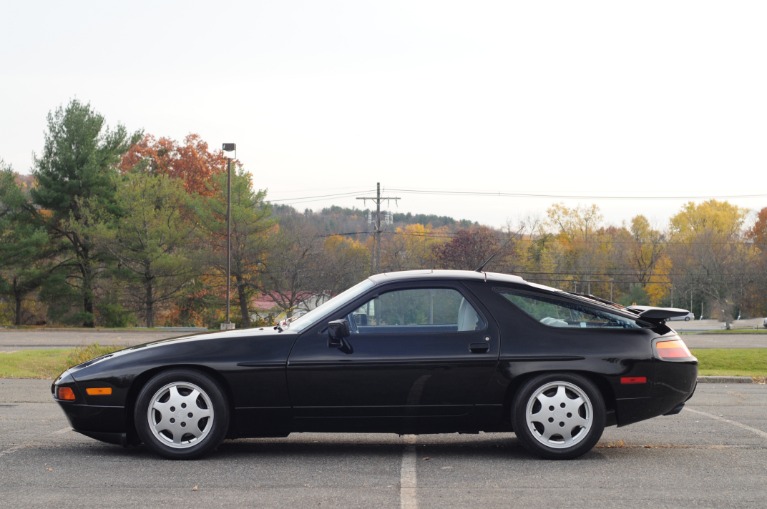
x=758 y=232
x=192 y=161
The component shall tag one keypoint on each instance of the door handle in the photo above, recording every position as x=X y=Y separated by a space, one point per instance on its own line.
x=483 y=347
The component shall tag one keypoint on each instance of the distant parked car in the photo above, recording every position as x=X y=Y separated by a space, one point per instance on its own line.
x=765 y=323
x=689 y=316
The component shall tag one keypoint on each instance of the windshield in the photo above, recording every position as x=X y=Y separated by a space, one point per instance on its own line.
x=327 y=308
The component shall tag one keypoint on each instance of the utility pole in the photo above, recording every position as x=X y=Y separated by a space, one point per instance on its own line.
x=377 y=225
x=228 y=147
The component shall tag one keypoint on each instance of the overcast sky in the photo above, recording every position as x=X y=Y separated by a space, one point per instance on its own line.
x=482 y=110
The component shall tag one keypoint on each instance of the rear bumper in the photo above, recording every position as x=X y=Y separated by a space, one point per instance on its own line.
x=675 y=410
x=671 y=388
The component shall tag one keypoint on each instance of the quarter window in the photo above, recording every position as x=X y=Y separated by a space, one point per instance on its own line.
x=555 y=312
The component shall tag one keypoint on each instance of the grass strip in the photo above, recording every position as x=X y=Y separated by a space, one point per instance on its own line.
x=725 y=332
x=47 y=363
x=732 y=361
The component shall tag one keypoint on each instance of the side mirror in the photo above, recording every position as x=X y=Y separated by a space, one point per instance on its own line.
x=338 y=330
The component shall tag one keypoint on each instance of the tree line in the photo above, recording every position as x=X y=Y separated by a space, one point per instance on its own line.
x=114 y=228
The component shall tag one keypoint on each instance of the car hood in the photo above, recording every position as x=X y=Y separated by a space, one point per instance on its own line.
x=197 y=346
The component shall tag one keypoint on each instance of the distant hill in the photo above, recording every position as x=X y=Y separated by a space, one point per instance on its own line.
x=341 y=220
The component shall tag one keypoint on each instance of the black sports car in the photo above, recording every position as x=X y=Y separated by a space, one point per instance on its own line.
x=404 y=352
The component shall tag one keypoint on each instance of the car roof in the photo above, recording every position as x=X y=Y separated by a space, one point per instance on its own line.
x=434 y=274
x=471 y=275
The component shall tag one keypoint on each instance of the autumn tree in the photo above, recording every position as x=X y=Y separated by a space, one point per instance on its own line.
x=412 y=247
x=468 y=249
x=758 y=232
x=191 y=161
x=535 y=251
x=582 y=252
x=757 y=235
x=345 y=263
x=252 y=229
x=709 y=255
x=646 y=248
x=647 y=258
x=289 y=277
x=76 y=176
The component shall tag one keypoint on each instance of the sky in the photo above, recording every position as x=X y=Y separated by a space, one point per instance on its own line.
x=490 y=111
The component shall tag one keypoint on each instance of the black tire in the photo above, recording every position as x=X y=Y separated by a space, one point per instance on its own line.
x=181 y=414
x=558 y=416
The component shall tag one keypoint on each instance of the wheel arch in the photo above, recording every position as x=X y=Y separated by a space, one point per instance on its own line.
x=142 y=379
x=600 y=381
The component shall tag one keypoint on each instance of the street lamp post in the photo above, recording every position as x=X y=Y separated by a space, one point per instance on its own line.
x=228 y=147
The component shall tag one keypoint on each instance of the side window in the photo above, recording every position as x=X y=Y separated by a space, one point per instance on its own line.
x=416 y=310
x=562 y=313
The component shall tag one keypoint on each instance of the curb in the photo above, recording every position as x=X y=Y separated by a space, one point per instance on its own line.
x=725 y=380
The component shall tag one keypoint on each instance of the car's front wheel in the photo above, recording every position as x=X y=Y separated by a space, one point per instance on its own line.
x=558 y=416
x=181 y=414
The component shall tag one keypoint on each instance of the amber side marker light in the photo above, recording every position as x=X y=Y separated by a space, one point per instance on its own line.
x=672 y=349
x=65 y=393
x=98 y=391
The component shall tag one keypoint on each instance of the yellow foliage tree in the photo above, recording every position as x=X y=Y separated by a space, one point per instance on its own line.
x=659 y=284
x=412 y=247
x=707 y=248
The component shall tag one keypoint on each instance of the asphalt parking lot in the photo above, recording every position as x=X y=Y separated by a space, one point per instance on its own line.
x=710 y=455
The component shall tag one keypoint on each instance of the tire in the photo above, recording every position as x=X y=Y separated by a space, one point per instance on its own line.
x=558 y=416
x=181 y=414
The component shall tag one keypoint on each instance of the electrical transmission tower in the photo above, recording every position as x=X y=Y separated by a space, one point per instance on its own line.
x=377 y=224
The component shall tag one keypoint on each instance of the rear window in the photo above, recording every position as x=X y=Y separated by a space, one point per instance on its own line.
x=554 y=312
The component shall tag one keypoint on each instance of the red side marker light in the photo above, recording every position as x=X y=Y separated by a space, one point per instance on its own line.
x=633 y=380
x=65 y=393
x=672 y=349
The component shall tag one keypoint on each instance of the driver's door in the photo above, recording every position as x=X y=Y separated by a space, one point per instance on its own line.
x=416 y=357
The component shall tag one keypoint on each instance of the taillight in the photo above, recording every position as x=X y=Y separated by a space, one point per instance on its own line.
x=672 y=349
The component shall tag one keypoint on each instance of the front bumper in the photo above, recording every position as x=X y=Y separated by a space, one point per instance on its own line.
x=105 y=422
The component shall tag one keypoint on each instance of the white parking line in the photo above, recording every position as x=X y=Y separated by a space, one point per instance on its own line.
x=407 y=477
x=728 y=421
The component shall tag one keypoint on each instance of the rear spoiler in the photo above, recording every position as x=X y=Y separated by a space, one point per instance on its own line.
x=657 y=315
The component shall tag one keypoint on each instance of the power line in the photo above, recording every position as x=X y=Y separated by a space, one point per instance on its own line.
x=305 y=199
x=569 y=196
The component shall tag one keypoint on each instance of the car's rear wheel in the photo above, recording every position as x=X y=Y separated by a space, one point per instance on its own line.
x=181 y=414
x=558 y=416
